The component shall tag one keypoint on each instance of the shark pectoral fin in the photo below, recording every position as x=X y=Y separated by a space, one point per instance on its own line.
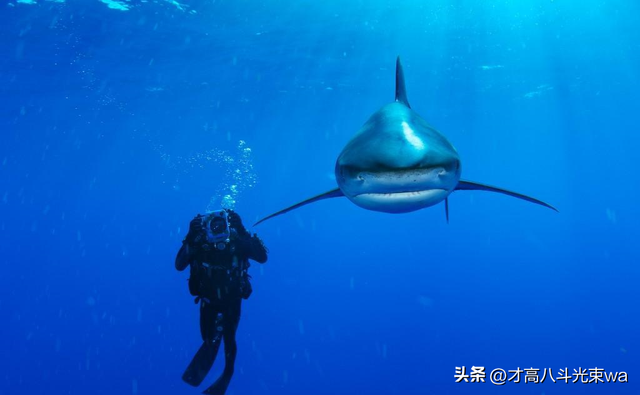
x=446 y=208
x=473 y=186
x=330 y=194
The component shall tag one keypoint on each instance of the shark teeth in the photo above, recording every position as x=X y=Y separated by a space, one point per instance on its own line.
x=400 y=194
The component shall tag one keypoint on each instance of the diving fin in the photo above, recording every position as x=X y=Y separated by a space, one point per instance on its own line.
x=330 y=194
x=220 y=386
x=473 y=186
x=202 y=362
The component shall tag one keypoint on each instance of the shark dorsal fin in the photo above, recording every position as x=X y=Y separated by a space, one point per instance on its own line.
x=401 y=91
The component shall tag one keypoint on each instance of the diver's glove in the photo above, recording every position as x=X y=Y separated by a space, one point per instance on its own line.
x=236 y=223
x=196 y=230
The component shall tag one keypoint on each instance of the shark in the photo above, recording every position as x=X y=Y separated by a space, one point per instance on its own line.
x=398 y=163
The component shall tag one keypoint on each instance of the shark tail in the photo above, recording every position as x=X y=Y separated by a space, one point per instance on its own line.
x=327 y=195
x=474 y=186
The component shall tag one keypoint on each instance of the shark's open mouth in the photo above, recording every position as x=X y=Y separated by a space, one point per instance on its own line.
x=399 y=201
x=400 y=195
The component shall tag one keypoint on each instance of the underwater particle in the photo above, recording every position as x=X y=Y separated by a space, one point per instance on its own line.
x=611 y=215
x=19 y=54
x=319 y=368
x=134 y=386
x=228 y=202
x=425 y=301
x=91 y=301
x=235 y=167
x=491 y=67
x=179 y=6
x=154 y=89
x=87 y=361
x=301 y=327
x=307 y=356
x=539 y=91
x=116 y=5
x=26 y=1
x=623 y=350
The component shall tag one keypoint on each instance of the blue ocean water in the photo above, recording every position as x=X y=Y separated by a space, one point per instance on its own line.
x=121 y=120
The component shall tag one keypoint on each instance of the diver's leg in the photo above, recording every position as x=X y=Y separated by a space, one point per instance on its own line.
x=230 y=325
x=229 y=336
x=206 y=355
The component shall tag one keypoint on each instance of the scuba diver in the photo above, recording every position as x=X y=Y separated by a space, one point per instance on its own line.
x=218 y=248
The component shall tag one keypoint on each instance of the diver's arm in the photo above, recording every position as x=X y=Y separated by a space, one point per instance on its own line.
x=184 y=257
x=186 y=252
x=252 y=246
x=257 y=250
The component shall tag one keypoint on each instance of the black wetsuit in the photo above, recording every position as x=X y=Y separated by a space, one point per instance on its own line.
x=221 y=293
